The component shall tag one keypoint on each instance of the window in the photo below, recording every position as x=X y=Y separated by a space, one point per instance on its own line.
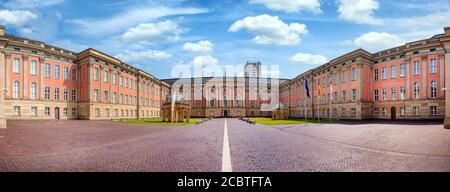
x=384 y=111
x=34 y=112
x=343 y=112
x=126 y=82
x=65 y=94
x=402 y=93
x=33 y=67
x=47 y=70
x=402 y=111
x=95 y=74
x=402 y=70
x=47 y=111
x=416 y=90
x=74 y=112
x=74 y=95
x=107 y=113
x=74 y=74
x=47 y=93
x=66 y=73
x=375 y=95
x=354 y=94
x=433 y=65
x=97 y=112
x=344 y=76
x=16 y=111
x=393 y=93
x=416 y=68
x=375 y=74
x=393 y=72
x=116 y=112
x=16 y=65
x=383 y=73
x=212 y=102
x=353 y=74
x=121 y=81
x=344 y=93
x=376 y=111
x=95 y=94
x=65 y=112
x=433 y=110
x=105 y=76
x=121 y=98
x=106 y=99
x=433 y=89
x=33 y=91
x=115 y=97
x=353 y=112
x=114 y=78
x=56 y=93
x=416 y=111
x=16 y=89
x=126 y=99
x=384 y=94
x=57 y=71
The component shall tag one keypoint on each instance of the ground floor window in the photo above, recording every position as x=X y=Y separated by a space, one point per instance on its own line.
x=97 y=112
x=433 y=110
x=16 y=111
x=126 y=112
x=74 y=112
x=65 y=112
x=376 y=111
x=116 y=113
x=416 y=111
x=121 y=112
x=47 y=111
x=384 y=111
x=107 y=113
x=402 y=111
x=34 y=112
x=353 y=112
x=343 y=112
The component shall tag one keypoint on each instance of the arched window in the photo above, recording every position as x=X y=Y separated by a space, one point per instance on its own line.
x=33 y=91
x=416 y=90
x=16 y=89
x=433 y=91
x=212 y=102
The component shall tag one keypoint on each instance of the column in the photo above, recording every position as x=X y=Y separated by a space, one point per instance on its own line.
x=360 y=73
x=90 y=92
x=424 y=77
x=408 y=79
x=2 y=89
x=25 y=76
x=7 y=62
x=100 y=79
x=441 y=73
x=41 y=78
x=446 y=43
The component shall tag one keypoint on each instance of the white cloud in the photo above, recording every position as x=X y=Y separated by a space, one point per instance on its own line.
x=271 y=30
x=151 y=33
x=129 y=18
x=204 y=46
x=291 y=6
x=308 y=59
x=359 y=11
x=376 y=41
x=16 y=17
x=137 y=56
x=27 y=4
x=26 y=31
x=207 y=66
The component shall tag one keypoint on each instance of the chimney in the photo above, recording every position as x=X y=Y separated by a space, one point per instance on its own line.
x=2 y=30
x=447 y=31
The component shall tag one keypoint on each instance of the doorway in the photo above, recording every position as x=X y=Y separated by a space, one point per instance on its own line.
x=393 y=113
x=57 y=113
x=225 y=113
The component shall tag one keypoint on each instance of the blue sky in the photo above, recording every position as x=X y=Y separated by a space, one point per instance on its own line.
x=160 y=35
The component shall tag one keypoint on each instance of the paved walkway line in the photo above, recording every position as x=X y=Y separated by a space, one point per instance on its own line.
x=226 y=157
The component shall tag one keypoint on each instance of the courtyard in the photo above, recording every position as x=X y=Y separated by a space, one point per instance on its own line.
x=224 y=145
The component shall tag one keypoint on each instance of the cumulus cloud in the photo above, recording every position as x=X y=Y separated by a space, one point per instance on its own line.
x=291 y=6
x=376 y=41
x=359 y=11
x=203 y=46
x=308 y=59
x=271 y=30
x=16 y=17
x=151 y=33
x=139 y=56
x=207 y=66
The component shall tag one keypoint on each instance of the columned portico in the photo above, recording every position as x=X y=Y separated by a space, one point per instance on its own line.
x=446 y=44
x=2 y=78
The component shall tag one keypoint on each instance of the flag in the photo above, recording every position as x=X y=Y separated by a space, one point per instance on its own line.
x=307 y=88
x=331 y=90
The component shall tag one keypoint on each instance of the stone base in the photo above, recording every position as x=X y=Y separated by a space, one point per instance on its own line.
x=2 y=123
x=447 y=123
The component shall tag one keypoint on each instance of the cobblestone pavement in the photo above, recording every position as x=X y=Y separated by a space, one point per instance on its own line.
x=342 y=147
x=108 y=146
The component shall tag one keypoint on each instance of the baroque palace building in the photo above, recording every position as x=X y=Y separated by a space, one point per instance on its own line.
x=41 y=81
